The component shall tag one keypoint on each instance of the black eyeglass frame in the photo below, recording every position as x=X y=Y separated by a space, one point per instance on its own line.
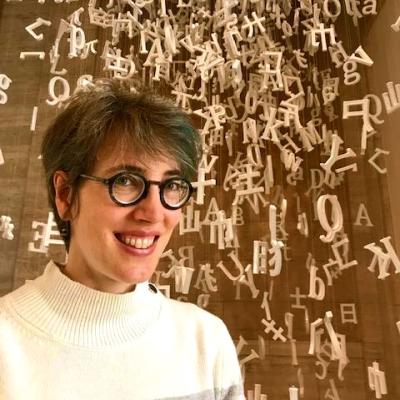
x=110 y=182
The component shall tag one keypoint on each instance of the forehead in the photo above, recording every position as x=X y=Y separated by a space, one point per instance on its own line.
x=113 y=156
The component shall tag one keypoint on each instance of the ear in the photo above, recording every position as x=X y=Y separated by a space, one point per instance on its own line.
x=63 y=195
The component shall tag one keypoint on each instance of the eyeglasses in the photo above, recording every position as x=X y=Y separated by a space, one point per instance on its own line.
x=128 y=188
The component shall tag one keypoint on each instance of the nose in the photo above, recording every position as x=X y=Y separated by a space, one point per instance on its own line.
x=149 y=209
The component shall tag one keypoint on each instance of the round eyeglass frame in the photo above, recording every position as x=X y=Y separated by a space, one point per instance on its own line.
x=110 y=182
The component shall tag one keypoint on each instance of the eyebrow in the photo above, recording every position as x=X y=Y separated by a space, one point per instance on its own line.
x=134 y=168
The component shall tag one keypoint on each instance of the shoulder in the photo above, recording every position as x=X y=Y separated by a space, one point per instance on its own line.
x=191 y=312
x=199 y=331
x=190 y=318
x=13 y=303
x=7 y=306
x=17 y=295
x=10 y=322
x=10 y=297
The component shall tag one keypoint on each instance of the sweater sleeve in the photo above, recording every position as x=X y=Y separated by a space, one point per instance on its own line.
x=229 y=377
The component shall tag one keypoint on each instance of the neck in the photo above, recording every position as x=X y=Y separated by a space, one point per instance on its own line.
x=95 y=281
x=78 y=270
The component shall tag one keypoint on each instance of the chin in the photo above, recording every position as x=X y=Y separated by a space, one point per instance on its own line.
x=134 y=277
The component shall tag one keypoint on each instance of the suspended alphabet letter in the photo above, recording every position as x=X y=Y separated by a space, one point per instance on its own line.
x=316 y=293
x=362 y=215
x=57 y=99
x=336 y=216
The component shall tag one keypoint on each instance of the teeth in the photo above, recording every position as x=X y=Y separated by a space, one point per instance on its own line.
x=138 y=243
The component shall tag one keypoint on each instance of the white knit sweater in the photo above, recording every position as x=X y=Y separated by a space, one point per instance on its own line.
x=62 y=340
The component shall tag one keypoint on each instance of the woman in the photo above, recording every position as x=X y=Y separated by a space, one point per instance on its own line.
x=118 y=165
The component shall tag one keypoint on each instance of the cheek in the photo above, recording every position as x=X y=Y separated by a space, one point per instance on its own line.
x=173 y=218
x=94 y=218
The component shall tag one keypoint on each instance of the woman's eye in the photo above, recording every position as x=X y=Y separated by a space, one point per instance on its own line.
x=127 y=180
x=174 y=186
x=123 y=180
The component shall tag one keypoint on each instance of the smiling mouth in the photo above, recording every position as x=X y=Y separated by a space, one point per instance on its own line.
x=137 y=242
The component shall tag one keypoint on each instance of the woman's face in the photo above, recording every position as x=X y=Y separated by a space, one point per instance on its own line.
x=99 y=256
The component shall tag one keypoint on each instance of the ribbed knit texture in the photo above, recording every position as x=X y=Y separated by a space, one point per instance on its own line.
x=62 y=340
x=73 y=313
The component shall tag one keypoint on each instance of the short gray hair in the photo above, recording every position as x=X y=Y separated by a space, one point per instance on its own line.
x=133 y=117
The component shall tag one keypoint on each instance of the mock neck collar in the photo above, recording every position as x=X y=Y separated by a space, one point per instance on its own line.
x=75 y=314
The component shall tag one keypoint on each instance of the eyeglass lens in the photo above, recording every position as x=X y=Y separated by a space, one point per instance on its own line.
x=129 y=187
